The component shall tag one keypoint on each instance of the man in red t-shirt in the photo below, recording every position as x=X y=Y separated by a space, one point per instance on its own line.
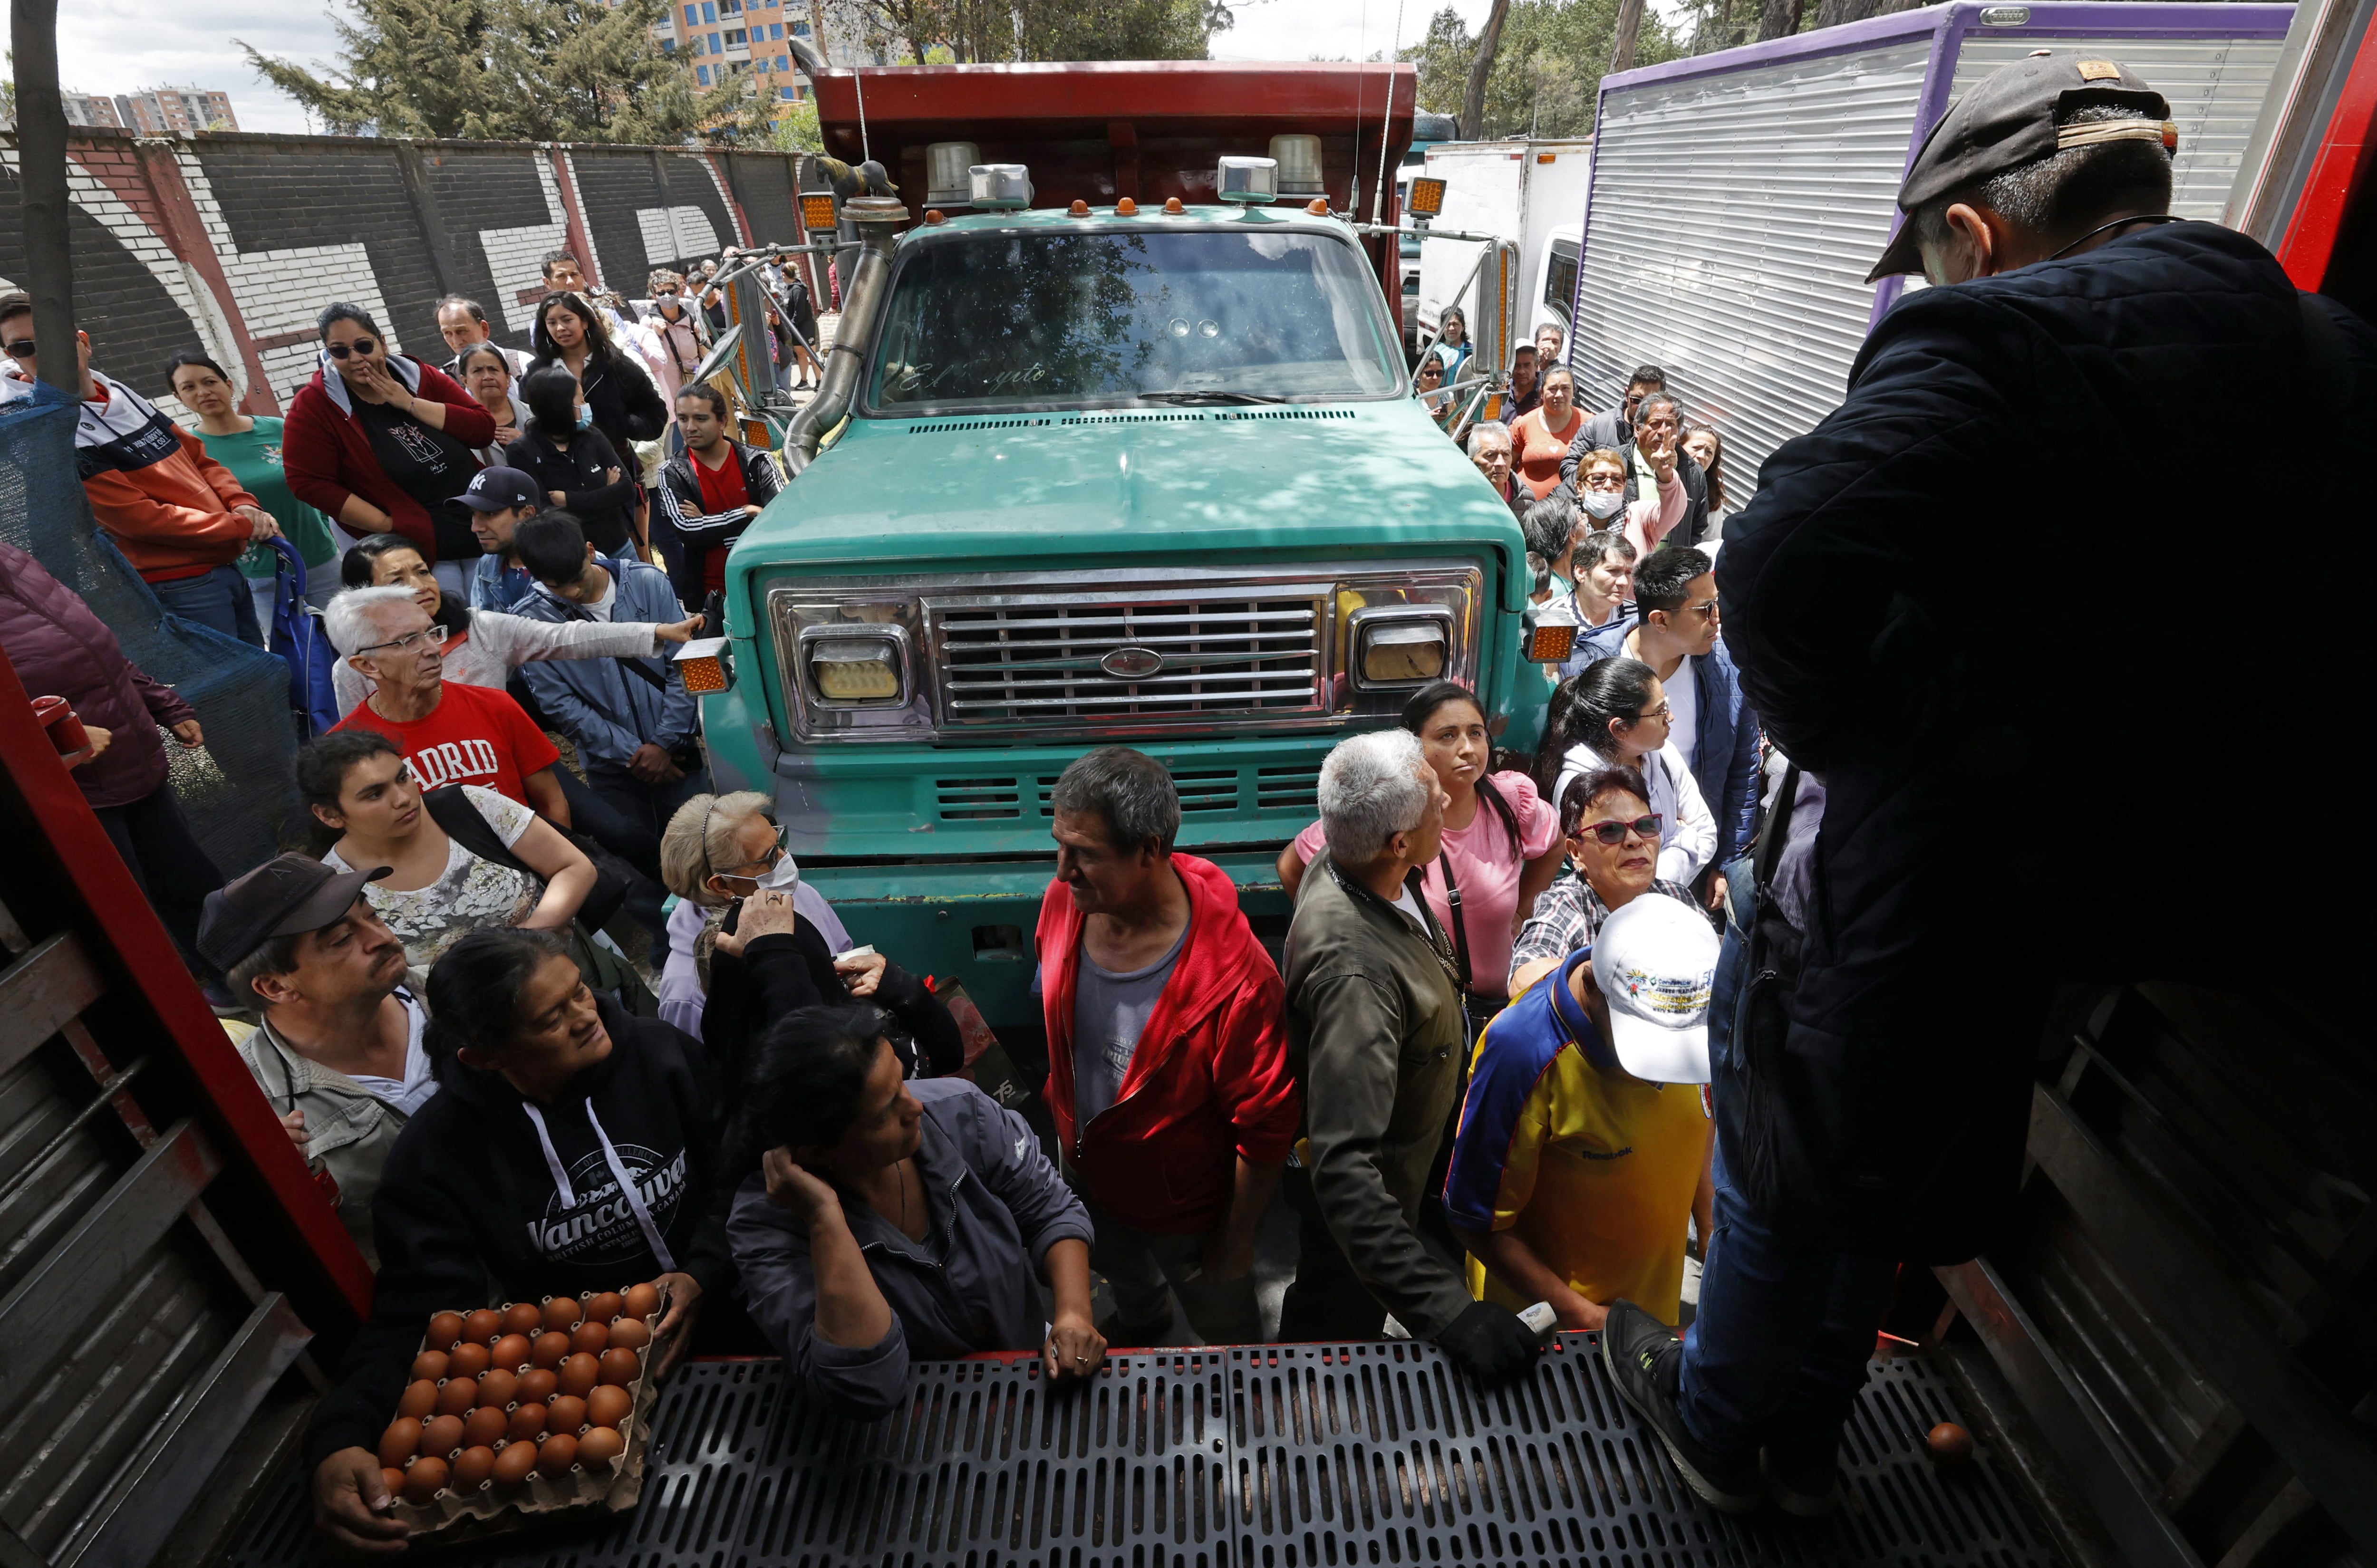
x=454 y=734
x=710 y=492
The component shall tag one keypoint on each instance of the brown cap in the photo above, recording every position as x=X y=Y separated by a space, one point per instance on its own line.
x=284 y=897
x=2017 y=115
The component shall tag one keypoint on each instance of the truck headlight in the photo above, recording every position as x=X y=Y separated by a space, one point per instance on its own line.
x=857 y=669
x=1400 y=648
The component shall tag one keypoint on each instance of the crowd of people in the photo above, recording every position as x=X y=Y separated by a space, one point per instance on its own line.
x=1494 y=1064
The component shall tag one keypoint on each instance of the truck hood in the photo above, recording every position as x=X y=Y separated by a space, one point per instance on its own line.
x=1125 y=483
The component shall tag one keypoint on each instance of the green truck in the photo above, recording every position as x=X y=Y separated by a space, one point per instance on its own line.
x=1101 y=476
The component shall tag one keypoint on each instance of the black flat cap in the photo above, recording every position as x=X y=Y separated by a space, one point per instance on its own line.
x=2016 y=115
x=284 y=897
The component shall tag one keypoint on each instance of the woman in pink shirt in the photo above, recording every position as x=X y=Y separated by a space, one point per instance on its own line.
x=1501 y=843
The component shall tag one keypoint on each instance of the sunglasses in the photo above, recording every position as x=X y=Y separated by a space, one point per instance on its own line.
x=1613 y=834
x=22 y=349
x=360 y=346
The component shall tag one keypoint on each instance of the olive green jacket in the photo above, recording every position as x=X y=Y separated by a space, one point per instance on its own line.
x=1375 y=1037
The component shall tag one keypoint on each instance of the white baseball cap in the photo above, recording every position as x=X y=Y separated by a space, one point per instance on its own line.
x=1655 y=963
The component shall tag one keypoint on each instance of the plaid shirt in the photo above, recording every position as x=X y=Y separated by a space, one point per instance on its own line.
x=1569 y=914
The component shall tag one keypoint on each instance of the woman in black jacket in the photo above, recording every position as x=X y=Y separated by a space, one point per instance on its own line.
x=577 y=466
x=570 y=1148
x=628 y=407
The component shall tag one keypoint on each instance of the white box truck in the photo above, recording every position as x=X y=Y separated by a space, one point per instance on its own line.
x=1532 y=193
x=1739 y=198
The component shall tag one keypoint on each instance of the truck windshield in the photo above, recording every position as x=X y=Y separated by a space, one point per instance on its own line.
x=1071 y=319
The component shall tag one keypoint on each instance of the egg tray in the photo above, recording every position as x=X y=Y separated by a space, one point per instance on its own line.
x=452 y=1517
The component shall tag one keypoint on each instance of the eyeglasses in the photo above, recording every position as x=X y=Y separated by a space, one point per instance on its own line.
x=360 y=346
x=1665 y=710
x=1612 y=834
x=436 y=634
x=767 y=861
x=22 y=349
x=1604 y=481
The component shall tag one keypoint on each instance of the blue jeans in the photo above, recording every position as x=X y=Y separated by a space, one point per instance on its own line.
x=219 y=599
x=1778 y=1349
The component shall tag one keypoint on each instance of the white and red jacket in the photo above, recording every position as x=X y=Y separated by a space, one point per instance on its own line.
x=152 y=487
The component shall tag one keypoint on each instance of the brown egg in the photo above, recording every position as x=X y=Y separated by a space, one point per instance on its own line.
x=622 y=1367
x=526 y=1423
x=510 y=1352
x=556 y=1455
x=514 y=1462
x=420 y=1400
x=561 y=1312
x=425 y=1480
x=467 y=1360
x=479 y=1326
x=444 y=1329
x=486 y=1425
x=440 y=1435
x=591 y=1338
x=499 y=1387
x=472 y=1467
x=579 y=1373
x=609 y=1404
x=548 y=1349
x=640 y=1301
x=430 y=1364
x=628 y=1333
x=523 y=1317
x=458 y=1396
x=394 y=1482
x=602 y=1306
x=564 y=1412
x=599 y=1447
x=536 y=1387
x=400 y=1441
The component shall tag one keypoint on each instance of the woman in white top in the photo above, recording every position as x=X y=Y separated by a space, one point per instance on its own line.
x=484 y=647
x=434 y=890
x=485 y=373
x=1614 y=713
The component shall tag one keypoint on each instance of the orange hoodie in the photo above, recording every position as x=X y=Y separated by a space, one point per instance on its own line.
x=152 y=487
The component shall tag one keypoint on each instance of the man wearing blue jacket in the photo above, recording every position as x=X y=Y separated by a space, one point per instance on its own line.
x=1676 y=635
x=635 y=725
x=1874 y=1091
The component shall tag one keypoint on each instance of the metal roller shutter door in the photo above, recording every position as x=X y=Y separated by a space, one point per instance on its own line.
x=1731 y=223
x=2216 y=86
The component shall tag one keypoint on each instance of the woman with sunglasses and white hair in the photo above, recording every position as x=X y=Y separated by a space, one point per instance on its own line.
x=382 y=443
x=750 y=941
x=1612 y=849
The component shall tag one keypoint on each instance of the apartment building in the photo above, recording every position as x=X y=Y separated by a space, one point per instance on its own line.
x=159 y=112
x=731 y=39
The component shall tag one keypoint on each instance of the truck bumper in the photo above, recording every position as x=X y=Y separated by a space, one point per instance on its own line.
x=973 y=921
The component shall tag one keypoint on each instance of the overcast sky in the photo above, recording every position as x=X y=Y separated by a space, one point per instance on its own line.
x=124 y=45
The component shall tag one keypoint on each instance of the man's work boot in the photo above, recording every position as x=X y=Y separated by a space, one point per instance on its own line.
x=1803 y=1477
x=1645 y=1358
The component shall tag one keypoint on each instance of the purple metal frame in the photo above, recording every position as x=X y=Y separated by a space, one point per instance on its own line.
x=1949 y=26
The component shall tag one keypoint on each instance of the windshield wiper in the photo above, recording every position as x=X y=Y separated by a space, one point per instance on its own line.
x=1188 y=400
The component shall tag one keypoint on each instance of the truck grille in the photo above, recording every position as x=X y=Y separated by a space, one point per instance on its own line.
x=1019 y=660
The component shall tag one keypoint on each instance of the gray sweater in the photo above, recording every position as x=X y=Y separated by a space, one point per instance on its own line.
x=997 y=1206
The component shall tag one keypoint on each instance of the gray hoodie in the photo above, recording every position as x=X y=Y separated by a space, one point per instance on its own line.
x=997 y=1206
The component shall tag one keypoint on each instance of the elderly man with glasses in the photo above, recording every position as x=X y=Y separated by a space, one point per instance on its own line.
x=1676 y=633
x=449 y=734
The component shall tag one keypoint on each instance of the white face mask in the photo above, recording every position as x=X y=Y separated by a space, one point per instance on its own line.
x=783 y=877
x=1603 y=505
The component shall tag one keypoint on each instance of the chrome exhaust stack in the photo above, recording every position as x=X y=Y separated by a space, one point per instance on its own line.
x=877 y=220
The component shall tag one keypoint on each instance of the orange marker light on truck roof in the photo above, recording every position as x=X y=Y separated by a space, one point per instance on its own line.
x=1078 y=209
x=1126 y=208
x=1172 y=205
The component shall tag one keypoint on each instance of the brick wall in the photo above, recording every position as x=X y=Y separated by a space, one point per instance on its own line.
x=231 y=243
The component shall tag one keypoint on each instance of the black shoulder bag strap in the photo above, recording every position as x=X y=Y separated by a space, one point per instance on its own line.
x=1459 y=927
x=453 y=811
x=571 y=611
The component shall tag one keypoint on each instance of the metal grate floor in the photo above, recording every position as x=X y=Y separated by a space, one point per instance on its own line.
x=1267 y=1456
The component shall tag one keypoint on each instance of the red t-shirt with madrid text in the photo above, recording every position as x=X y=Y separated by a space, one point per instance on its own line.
x=474 y=735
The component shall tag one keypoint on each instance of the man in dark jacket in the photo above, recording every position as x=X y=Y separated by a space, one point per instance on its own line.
x=1615 y=427
x=1655 y=429
x=1375 y=1024
x=1675 y=632
x=710 y=493
x=1872 y=1111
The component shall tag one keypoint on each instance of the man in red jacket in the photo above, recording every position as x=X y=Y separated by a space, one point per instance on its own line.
x=1167 y=1054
